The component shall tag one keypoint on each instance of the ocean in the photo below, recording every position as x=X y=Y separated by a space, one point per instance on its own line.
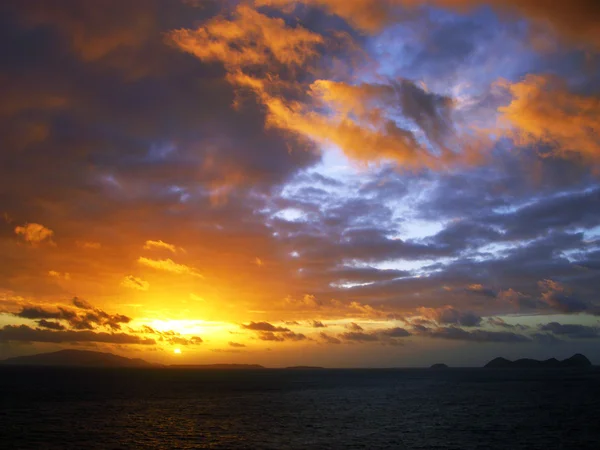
x=52 y=408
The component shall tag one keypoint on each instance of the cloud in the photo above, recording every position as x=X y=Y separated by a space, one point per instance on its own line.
x=329 y=339
x=183 y=151
x=81 y=303
x=160 y=245
x=317 y=324
x=87 y=319
x=37 y=312
x=481 y=290
x=353 y=326
x=544 y=113
x=281 y=336
x=359 y=336
x=264 y=326
x=34 y=233
x=458 y=334
x=395 y=332
x=248 y=39
x=168 y=265
x=558 y=298
x=23 y=333
x=180 y=340
x=498 y=322
x=270 y=332
x=43 y=323
x=574 y=331
x=386 y=335
x=236 y=345
x=450 y=315
x=135 y=283
x=362 y=120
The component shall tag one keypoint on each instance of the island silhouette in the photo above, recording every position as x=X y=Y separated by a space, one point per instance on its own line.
x=88 y=358
x=439 y=366
x=77 y=358
x=577 y=360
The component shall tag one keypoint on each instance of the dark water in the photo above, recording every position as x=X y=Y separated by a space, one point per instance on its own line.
x=277 y=409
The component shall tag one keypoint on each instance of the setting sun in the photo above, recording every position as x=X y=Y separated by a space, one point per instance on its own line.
x=177 y=351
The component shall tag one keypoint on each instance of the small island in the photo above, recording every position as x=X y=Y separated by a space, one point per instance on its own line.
x=574 y=361
x=439 y=366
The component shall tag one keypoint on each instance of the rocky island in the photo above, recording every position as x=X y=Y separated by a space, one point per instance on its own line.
x=577 y=360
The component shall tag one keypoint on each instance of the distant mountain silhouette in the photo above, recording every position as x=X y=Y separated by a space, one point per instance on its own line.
x=218 y=366
x=439 y=366
x=76 y=358
x=577 y=360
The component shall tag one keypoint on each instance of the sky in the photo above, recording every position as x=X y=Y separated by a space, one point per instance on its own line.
x=343 y=183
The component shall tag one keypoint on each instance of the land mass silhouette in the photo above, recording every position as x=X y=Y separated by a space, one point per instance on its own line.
x=577 y=360
x=87 y=358
x=439 y=366
x=77 y=358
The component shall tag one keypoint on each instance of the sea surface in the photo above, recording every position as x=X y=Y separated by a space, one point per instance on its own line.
x=299 y=409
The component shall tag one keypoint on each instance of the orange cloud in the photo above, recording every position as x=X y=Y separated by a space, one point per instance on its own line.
x=159 y=245
x=259 y=53
x=34 y=233
x=543 y=111
x=168 y=265
x=248 y=39
x=359 y=121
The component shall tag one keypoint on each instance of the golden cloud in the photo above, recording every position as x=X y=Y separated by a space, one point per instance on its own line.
x=35 y=233
x=359 y=119
x=543 y=111
x=159 y=245
x=168 y=265
x=248 y=39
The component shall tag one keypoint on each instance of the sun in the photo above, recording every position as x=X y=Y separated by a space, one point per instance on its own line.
x=177 y=351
